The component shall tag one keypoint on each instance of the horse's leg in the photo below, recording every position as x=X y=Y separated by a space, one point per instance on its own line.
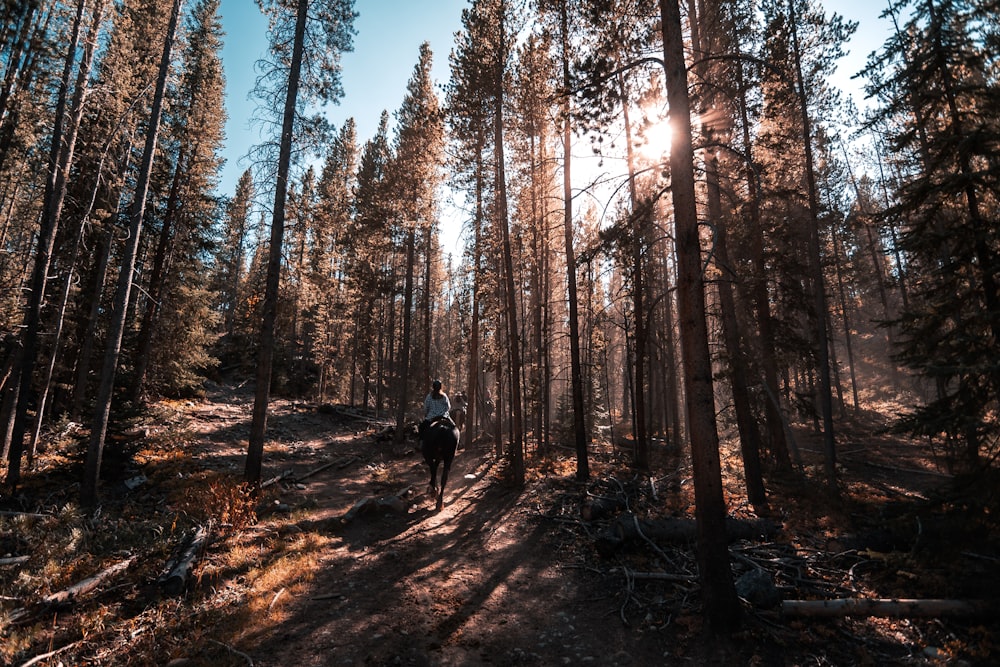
x=444 y=479
x=433 y=465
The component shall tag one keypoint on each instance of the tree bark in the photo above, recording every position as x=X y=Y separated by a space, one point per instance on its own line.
x=513 y=336
x=258 y=424
x=822 y=343
x=116 y=329
x=51 y=209
x=404 y=344
x=576 y=370
x=722 y=608
x=900 y=608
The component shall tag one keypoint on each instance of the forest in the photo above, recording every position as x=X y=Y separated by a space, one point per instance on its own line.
x=679 y=240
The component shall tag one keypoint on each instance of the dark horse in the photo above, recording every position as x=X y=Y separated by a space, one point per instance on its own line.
x=439 y=441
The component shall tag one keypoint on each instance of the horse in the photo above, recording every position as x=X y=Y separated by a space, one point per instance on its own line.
x=438 y=444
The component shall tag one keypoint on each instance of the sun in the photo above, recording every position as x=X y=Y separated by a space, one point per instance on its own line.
x=653 y=141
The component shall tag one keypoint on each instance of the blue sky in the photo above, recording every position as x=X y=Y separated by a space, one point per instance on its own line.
x=386 y=48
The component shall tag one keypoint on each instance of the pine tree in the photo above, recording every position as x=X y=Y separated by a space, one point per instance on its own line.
x=325 y=28
x=936 y=79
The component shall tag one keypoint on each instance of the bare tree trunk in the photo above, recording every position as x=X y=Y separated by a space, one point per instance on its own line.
x=65 y=161
x=760 y=297
x=816 y=269
x=722 y=607
x=846 y=315
x=156 y=280
x=404 y=344
x=92 y=467
x=639 y=218
x=258 y=425
x=428 y=304
x=55 y=191
x=473 y=378
x=576 y=371
x=86 y=353
x=747 y=425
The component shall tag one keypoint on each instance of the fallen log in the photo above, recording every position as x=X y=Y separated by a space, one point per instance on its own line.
x=68 y=596
x=902 y=608
x=596 y=507
x=175 y=580
x=627 y=528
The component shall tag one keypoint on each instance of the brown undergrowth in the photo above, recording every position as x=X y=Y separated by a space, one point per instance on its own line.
x=505 y=575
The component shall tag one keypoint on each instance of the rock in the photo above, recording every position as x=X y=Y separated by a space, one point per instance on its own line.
x=757 y=588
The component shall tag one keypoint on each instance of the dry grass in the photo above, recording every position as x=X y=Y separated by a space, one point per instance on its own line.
x=248 y=577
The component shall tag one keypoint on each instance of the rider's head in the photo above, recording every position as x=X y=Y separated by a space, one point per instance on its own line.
x=436 y=385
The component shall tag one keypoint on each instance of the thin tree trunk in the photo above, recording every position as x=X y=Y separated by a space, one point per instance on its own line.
x=816 y=269
x=747 y=425
x=65 y=161
x=116 y=329
x=258 y=425
x=51 y=210
x=474 y=363
x=156 y=282
x=404 y=344
x=848 y=335
x=576 y=371
x=86 y=352
x=639 y=217
x=760 y=297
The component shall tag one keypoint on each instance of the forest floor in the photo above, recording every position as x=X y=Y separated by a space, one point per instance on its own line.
x=310 y=574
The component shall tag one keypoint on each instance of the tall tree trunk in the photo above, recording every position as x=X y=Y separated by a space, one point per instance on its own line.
x=576 y=370
x=258 y=425
x=472 y=385
x=116 y=329
x=89 y=335
x=747 y=425
x=65 y=161
x=761 y=299
x=55 y=190
x=157 y=278
x=722 y=607
x=404 y=344
x=639 y=218
x=428 y=306
x=822 y=344
x=513 y=337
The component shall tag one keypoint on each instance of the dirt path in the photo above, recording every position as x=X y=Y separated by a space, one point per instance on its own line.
x=484 y=581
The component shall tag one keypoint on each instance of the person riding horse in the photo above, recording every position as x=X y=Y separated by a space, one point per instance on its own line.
x=459 y=408
x=438 y=439
x=436 y=407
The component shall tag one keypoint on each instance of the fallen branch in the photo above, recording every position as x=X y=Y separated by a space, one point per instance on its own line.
x=234 y=651
x=275 y=480
x=274 y=600
x=665 y=576
x=45 y=656
x=341 y=461
x=31 y=514
x=908 y=608
x=14 y=560
x=68 y=596
x=176 y=579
